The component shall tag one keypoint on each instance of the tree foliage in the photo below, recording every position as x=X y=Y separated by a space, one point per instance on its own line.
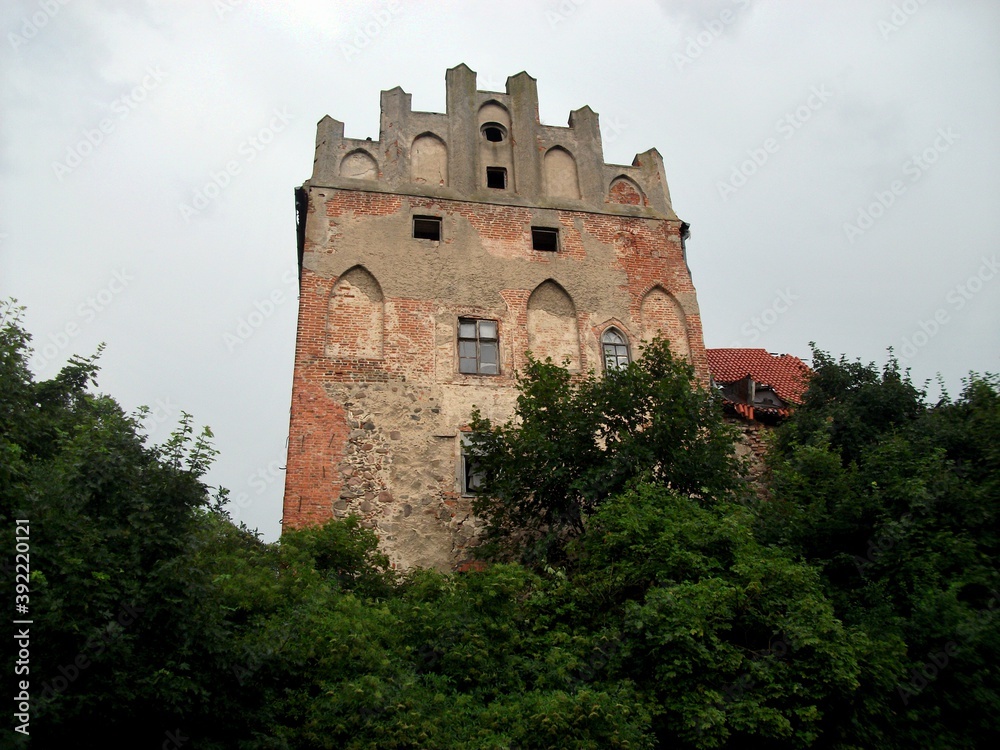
x=896 y=502
x=112 y=523
x=852 y=605
x=576 y=440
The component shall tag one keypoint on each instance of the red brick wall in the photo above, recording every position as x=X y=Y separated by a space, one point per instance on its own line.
x=636 y=255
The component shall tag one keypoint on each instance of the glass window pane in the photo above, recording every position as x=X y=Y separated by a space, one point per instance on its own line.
x=467 y=329
x=615 y=357
x=488 y=352
x=467 y=349
x=487 y=329
x=467 y=365
x=488 y=368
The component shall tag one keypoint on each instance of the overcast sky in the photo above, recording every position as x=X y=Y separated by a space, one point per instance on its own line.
x=839 y=164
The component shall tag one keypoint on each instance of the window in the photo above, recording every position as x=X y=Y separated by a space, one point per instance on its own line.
x=615 y=349
x=494 y=132
x=478 y=347
x=427 y=228
x=545 y=239
x=496 y=177
x=472 y=473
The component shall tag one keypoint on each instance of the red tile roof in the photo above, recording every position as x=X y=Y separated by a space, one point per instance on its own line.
x=786 y=374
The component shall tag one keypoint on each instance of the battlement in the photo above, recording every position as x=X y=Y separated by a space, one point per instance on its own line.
x=490 y=147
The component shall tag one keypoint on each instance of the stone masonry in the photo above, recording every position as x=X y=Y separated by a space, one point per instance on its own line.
x=430 y=262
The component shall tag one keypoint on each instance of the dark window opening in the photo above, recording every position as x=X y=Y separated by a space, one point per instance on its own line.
x=472 y=474
x=478 y=347
x=493 y=133
x=496 y=177
x=545 y=239
x=427 y=228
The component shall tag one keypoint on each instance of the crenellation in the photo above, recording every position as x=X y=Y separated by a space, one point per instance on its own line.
x=461 y=156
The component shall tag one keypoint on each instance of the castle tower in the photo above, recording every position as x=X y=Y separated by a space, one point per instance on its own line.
x=431 y=261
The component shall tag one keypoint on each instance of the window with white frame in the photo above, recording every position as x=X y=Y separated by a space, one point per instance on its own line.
x=614 y=346
x=470 y=470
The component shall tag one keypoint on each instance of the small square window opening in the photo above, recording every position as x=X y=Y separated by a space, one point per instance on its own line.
x=545 y=239
x=496 y=178
x=427 y=228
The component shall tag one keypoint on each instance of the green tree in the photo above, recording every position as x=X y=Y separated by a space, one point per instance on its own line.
x=895 y=501
x=115 y=596
x=576 y=440
x=854 y=604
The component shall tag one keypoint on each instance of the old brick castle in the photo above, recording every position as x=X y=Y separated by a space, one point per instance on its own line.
x=431 y=260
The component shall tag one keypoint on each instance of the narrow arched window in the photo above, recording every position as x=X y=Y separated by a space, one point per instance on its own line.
x=615 y=348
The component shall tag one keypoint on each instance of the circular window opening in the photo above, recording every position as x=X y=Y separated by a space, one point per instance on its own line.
x=494 y=132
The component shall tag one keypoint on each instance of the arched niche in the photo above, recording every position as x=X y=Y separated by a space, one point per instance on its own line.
x=494 y=111
x=359 y=165
x=552 y=325
x=356 y=320
x=429 y=160
x=561 y=178
x=662 y=316
x=625 y=191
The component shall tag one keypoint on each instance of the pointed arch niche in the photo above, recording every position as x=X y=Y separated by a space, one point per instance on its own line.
x=561 y=178
x=359 y=165
x=356 y=320
x=552 y=325
x=625 y=191
x=429 y=160
x=494 y=111
x=662 y=315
